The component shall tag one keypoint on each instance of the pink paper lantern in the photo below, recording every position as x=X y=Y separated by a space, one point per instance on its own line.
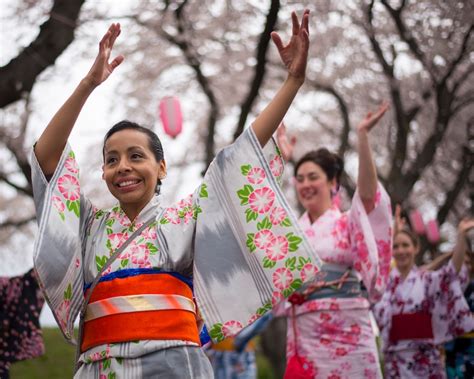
x=416 y=222
x=432 y=231
x=171 y=116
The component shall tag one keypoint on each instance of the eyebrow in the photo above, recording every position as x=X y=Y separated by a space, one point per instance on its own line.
x=129 y=149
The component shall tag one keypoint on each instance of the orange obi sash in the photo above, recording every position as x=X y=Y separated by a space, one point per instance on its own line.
x=143 y=307
x=228 y=345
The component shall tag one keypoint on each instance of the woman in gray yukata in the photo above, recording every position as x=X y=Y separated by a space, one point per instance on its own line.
x=234 y=235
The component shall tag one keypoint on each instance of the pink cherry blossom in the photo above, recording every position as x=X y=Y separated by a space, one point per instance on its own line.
x=62 y=313
x=139 y=255
x=120 y=216
x=117 y=240
x=261 y=200
x=256 y=175
x=68 y=185
x=263 y=239
x=277 y=215
x=282 y=278
x=171 y=214
x=278 y=249
x=71 y=165
x=230 y=328
x=276 y=165
x=58 y=204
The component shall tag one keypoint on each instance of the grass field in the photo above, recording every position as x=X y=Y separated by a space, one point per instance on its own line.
x=58 y=361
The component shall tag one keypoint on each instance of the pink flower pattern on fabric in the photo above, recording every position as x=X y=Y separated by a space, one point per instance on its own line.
x=261 y=200
x=68 y=185
x=256 y=175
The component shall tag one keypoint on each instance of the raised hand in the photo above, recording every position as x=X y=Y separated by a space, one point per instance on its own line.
x=101 y=69
x=399 y=221
x=465 y=225
x=286 y=145
x=371 y=119
x=295 y=54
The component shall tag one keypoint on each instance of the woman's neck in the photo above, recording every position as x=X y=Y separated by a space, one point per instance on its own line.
x=314 y=214
x=404 y=271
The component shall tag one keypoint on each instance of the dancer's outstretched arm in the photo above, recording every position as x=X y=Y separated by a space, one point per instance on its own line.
x=294 y=55
x=367 y=179
x=461 y=243
x=50 y=145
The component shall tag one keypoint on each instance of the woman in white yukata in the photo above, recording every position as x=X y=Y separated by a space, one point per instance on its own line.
x=329 y=329
x=141 y=319
x=421 y=309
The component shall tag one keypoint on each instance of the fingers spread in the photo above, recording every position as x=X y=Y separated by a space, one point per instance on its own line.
x=277 y=41
x=117 y=61
x=296 y=24
x=305 y=21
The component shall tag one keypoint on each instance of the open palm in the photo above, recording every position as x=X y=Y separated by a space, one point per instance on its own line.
x=101 y=69
x=295 y=54
x=371 y=119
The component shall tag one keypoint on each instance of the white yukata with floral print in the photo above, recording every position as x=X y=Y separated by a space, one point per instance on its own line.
x=335 y=334
x=438 y=293
x=233 y=236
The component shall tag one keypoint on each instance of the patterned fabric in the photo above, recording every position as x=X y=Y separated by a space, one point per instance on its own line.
x=438 y=293
x=335 y=334
x=20 y=334
x=460 y=352
x=235 y=231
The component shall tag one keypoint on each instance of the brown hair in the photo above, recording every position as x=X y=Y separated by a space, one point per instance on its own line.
x=331 y=163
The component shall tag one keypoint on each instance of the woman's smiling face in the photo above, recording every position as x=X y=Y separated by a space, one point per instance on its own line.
x=313 y=187
x=131 y=170
x=404 y=251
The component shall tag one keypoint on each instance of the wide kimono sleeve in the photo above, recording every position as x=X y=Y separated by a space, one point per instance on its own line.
x=62 y=213
x=371 y=242
x=249 y=250
x=451 y=315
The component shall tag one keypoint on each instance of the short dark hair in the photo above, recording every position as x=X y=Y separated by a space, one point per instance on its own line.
x=331 y=163
x=153 y=140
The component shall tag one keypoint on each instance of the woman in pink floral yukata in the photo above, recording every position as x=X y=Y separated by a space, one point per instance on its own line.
x=329 y=329
x=421 y=309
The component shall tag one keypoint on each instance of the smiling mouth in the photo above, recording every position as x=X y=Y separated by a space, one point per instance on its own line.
x=308 y=194
x=128 y=183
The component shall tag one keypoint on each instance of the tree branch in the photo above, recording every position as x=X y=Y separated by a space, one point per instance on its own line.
x=406 y=36
x=25 y=190
x=343 y=109
x=260 y=67
x=461 y=181
x=18 y=223
x=452 y=67
x=20 y=74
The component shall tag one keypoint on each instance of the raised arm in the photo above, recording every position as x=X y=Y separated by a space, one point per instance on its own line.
x=461 y=243
x=286 y=145
x=51 y=143
x=367 y=180
x=294 y=55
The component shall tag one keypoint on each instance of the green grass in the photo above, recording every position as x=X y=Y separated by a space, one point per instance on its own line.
x=58 y=361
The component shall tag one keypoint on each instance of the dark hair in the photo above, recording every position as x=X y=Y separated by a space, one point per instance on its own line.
x=153 y=140
x=410 y=234
x=331 y=163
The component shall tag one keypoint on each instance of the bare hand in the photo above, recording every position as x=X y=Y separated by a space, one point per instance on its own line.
x=399 y=222
x=371 y=120
x=286 y=146
x=101 y=69
x=465 y=225
x=295 y=54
